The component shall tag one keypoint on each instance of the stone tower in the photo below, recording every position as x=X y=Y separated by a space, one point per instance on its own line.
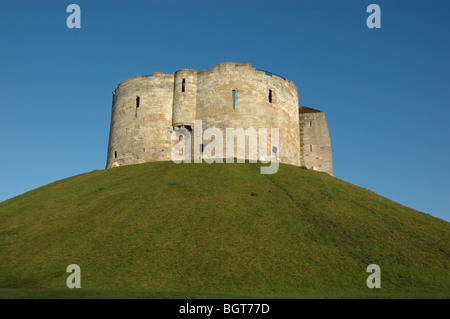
x=146 y=109
x=315 y=144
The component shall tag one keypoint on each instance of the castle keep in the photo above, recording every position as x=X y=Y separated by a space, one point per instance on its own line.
x=146 y=110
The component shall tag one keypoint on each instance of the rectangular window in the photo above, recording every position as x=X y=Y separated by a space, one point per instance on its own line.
x=183 y=85
x=310 y=148
x=270 y=96
x=234 y=99
x=138 y=100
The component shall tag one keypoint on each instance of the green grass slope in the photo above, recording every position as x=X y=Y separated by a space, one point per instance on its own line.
x=161 y=230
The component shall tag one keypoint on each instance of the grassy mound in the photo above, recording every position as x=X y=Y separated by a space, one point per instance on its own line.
x=162 y=230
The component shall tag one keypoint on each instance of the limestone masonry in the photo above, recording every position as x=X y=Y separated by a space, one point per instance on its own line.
x=146 y=110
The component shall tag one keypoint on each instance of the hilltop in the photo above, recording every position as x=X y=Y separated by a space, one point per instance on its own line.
x=163 y=230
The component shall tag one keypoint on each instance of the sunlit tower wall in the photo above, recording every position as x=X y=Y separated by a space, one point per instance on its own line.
x=147 y=109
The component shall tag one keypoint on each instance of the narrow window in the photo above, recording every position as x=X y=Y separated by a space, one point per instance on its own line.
x=234 y=99
x=183 y=85
x=201 y=148
x=310 y=123
x=310 y=148
x=115 y=154
x=270 y=96
x=138 y=100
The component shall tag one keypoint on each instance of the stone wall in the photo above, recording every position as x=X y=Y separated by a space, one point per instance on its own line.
x=315 y=144
x=252 y=106
x=184 y=98
x=141 y=133
x=145 y=111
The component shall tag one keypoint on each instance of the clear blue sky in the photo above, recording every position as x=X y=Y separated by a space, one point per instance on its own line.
x=385 y=91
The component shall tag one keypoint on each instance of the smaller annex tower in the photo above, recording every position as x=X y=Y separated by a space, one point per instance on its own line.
x=146 y=110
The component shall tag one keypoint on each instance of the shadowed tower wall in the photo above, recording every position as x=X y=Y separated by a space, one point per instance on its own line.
x=315 y=144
